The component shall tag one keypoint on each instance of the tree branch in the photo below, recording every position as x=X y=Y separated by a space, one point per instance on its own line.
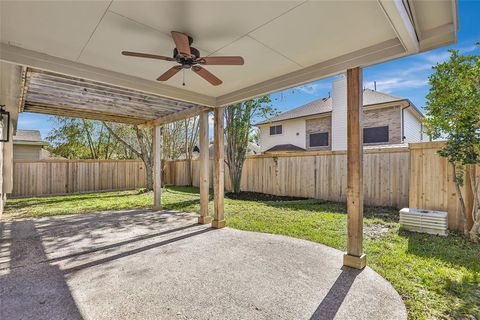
x=126 y=144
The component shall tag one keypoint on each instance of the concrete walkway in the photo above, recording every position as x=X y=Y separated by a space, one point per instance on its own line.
x=161 y=265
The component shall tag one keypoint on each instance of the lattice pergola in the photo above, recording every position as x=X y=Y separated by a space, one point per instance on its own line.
x=56 y=94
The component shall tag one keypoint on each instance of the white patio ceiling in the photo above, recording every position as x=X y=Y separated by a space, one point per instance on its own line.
x=284 y=43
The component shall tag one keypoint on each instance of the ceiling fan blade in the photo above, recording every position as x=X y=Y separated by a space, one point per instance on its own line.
x=233 y=61
x=146 y=55
x=205 y=74
x=182 y=42
x=169 y=73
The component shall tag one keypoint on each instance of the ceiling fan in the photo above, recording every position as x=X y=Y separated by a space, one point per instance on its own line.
x=188 y=57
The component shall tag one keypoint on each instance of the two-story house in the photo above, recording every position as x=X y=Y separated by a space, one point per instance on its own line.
x=322 y=124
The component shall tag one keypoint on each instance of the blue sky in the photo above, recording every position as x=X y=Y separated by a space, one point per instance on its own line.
x=406 y=77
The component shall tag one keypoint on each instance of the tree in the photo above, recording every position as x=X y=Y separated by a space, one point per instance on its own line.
x=172 y=140
x=140 y=144
x=238 y=120
x=191 y=127
x=81 y=139
x=90 y=139
x=453 y=113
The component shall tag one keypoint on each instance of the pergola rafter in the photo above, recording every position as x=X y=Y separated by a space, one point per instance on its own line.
x=52 y=93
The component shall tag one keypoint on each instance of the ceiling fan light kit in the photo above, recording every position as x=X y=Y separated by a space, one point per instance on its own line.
x=189 y=57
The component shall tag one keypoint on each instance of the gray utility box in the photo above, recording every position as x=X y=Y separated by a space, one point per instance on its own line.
x=426 y=221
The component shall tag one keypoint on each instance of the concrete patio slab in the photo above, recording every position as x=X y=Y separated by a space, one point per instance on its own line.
x=162 y=265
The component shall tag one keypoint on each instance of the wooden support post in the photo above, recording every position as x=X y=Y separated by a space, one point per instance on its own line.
x=354 y=257
x=2 y=202
x=157 y=167
x=218 y=174
x=204 y=168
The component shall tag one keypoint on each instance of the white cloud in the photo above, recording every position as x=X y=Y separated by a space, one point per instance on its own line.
x=468 y=49
x=389 y=84
x=434 y=58
x=309 y=88
x=313 y=88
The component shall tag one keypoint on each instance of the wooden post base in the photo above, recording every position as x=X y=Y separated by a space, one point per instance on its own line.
x=204 y=219
x=157 y=208
x=218 y=224
x=354 y=261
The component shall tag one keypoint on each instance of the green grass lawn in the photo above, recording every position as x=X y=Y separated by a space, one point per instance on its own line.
x=438 y=277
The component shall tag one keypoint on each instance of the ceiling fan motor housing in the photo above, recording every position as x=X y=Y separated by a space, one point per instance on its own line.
x=187 y=61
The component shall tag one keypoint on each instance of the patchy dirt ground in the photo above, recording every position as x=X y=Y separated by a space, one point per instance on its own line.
x=255 y=196
x=374 y=231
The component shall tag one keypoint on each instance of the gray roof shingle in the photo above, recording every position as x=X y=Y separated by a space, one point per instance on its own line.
x=284 y=147
x=28 y=135
x=317 y=106
x=323 y=105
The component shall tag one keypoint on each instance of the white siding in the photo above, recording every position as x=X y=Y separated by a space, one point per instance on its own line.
x=293 y=132
x=26 y=152
x=412 y=127
x=339 y=114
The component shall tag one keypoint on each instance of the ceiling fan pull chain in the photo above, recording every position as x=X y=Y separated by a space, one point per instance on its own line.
x=184 y=77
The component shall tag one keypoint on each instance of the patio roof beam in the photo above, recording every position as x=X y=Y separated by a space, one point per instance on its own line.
x=43 y=61
x=177 y=116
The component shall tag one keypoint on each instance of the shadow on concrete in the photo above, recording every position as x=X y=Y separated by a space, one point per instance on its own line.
x=133 y=251
x=121 y=243
x=32 y=286
x=330 y=305
x=69 y=230
x=37 y=291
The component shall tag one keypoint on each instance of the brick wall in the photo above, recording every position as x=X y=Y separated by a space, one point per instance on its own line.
x=323 y=124
x=371 y=118
x=385 y=117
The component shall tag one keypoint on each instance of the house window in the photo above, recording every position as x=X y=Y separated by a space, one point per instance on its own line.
x=275 y=130
x=375 y=135
x=319 y=139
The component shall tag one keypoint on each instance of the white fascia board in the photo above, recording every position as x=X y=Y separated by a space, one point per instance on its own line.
x=400 y=21
x=24 y=57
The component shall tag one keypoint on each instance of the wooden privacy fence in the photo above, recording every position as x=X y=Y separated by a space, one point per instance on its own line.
x=55 y=177
x=414 y=176
x=432 y=186
x=321 y=175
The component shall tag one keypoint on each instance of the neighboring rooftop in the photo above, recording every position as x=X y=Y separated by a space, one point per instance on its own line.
x=284 y=148
x=323 y=105
x=317 y=106
x=375 y=97
x=28 y=137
